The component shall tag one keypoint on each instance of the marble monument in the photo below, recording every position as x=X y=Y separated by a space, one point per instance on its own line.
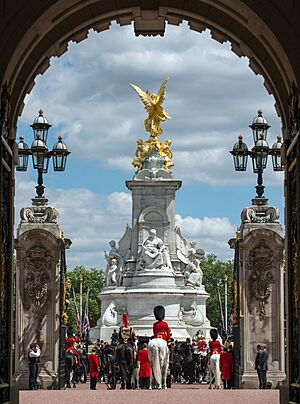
x=153 y=264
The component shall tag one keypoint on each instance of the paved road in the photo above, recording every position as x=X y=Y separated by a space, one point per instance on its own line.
x=181 y=394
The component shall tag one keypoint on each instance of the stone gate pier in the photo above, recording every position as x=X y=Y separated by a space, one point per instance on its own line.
x=40 y=262
x=259 y=252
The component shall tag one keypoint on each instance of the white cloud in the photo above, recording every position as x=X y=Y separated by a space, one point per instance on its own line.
x=88 y=219
x=210 y=233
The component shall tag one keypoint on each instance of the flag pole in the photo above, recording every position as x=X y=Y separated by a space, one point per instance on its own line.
x=225 y=291
x=80 y=302
x=221 y=308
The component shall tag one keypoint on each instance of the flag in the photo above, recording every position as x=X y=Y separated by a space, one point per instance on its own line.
x=86 y=321
x=77 y=312
x=230 y=322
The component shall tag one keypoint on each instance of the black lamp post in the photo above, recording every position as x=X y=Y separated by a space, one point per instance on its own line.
x=40 y=152
x=259 y=153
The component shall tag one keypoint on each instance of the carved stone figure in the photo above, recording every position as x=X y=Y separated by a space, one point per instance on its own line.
x=154 y=254
x=37 y=265
x=116 y=259
x=112 y=273
x=191 y=258
x=260 y=263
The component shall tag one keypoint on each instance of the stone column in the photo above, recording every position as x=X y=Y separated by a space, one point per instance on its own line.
x=38 y=271
x=261 y=280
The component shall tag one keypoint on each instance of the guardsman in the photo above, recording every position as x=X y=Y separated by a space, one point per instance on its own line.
x=70 y=344
x=161 y=328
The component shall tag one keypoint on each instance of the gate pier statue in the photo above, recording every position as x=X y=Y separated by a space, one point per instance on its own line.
x=260 y=318
x=40 y=266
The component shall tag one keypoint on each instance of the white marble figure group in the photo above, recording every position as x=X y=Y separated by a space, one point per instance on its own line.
x=191 y=259
x=116 y=259
x=153 y=254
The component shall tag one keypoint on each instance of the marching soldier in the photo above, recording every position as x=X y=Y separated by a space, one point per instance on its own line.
x=161 y=328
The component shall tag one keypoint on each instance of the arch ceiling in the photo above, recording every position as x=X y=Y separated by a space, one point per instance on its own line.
x=49 y=30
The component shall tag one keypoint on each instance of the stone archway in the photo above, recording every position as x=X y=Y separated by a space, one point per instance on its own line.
x=231 y=21
x=268 y=34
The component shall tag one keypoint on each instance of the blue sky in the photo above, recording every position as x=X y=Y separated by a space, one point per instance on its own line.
x=212 y=97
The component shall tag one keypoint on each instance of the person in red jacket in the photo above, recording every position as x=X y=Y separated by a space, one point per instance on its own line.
x=161 y=328
x=70 y=344
x=215 y=346
x=202 y=345
x=145 y=368
x=94 y=369
x=226 y=365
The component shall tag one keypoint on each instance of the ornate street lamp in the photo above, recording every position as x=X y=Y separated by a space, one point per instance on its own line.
x=259 y=152
x=40 y=152
x=41 y=126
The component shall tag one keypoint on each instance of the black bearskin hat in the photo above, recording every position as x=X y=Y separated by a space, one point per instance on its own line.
x=159 y=313
x=213 y=334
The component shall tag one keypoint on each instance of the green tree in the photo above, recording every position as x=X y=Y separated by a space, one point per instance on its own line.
x=214 y=273
x=93 y=279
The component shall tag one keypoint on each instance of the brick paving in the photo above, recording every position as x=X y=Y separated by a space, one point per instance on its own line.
x=179 y=393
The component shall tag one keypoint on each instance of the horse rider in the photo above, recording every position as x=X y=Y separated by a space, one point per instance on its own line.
x=70 y=344
x=126 y=333
x=125 y=352
x=161 y=328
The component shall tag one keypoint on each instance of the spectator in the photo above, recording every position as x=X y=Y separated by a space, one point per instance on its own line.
x=34 y=359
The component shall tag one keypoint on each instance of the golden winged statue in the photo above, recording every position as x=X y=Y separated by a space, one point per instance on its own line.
x=153 y=104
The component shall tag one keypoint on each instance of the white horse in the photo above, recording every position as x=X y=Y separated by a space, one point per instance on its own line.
x=214 y=370
x=158 y=353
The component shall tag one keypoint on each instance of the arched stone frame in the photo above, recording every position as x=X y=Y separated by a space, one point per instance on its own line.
x=153 y=217
x=248 y=27
x=31 y=319
x=228 y=20
x=275 y=243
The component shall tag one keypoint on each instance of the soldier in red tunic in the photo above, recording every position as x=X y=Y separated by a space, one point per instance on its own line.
x=202 y=345
x=70 y=344
x=161 y=328
x=145 y=368
x=215 y=346
x=94 y=369
x=226 y=366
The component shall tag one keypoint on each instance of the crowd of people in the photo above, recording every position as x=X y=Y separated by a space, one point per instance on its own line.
x=189 y=361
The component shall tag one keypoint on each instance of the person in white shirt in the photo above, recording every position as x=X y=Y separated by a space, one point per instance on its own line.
x=33 y=358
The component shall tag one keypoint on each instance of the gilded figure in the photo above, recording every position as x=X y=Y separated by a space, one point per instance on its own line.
x=153 y=105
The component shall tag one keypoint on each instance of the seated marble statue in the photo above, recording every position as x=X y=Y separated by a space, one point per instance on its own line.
x=154 y=254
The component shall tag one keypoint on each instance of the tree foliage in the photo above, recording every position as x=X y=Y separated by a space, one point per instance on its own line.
x=214 y=273
x=93 y=279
